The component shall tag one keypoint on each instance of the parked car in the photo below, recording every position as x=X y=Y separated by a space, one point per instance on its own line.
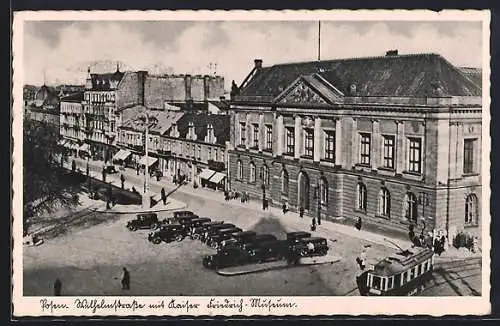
x=181 y=219
x=167 y=233
x=144 y=221
x=226 y=258
x=178 y=214
x=215 y=239
x=296 y=236
x=258 y=238
x=110 y=169
x=309 y=247
x=238 y=238
x=268 y=250
x=197 y=232
x=209 y=231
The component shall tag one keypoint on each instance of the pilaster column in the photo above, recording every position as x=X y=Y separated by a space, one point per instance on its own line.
x=298 y=136
x=460 y=149
x=317 y=138
x=338 y=142
x=376 y=142
x=279 y=135
x=400 y=147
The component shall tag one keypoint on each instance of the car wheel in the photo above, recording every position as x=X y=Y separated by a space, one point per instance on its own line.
x=156 y=240
x=132 y=228
x=196 y=236
x=154 y=226
x=179 y=238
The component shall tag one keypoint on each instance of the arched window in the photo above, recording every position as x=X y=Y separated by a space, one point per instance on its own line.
x=251 y=177
x=471 y=210
x=362 y=198
x=411 y=208
x=265 y=175
x=284 y=182
x=240 y=170
x=384 y=202
x=323 y=190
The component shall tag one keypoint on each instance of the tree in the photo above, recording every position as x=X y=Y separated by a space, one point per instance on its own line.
x=45 y=183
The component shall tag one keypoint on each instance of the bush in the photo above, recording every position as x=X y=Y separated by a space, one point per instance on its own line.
x=463 y=240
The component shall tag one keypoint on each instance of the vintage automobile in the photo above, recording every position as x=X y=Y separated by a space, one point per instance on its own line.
x=181 y=219
x=179 y=214
x=309 y=247
x=258 y=238
x=268 y=250
x=405 y=273
x=213 y=229
x=109 y=169
x=296 y=236
x=144 y=221
x=220 y=235
x=227 y=257
x=167 y=233
x=237 y=239
x=197 y=232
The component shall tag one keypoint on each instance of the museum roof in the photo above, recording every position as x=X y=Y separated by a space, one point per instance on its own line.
x=201 y=120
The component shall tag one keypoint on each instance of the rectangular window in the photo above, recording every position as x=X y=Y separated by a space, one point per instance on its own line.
x=405 y=277
x=308 y=142
x=255 y=137
x=290 y=141
x=243 y=133
x=389 y=152
x=415 y=151
x=390 y=283
x=209 y=153
x=269 y=137
x=469 y=155
x=365 y=142
x=330 y=145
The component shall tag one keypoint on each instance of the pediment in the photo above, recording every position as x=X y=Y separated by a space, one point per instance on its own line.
x=303 y=92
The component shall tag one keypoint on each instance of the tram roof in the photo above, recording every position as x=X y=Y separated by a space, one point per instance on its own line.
x=401 y=261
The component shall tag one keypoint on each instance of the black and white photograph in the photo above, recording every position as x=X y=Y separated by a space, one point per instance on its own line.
x=251 y=163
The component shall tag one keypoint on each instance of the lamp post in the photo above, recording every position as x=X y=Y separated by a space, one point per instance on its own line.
x=317 y=196
x=145 y=197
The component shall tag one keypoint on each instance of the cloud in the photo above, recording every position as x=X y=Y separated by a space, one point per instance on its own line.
x=65 y=49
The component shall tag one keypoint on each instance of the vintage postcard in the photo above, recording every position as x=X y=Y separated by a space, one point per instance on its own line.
x=204 y=163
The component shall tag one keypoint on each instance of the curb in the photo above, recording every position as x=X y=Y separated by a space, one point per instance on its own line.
x=268 y=269
x=184 y=205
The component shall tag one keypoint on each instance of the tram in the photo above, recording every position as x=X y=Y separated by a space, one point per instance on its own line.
x=402 y=274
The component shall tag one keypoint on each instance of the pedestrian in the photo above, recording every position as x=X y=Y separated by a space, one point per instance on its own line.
x=436 y=246
x=411 y=232
x=284 y=207
x=263 y=204
x=313 y=225
x=57 y=288
x=125 y=279
x=301 y=212
x=73 y=166
x=137 y=169
x=87 y=169
x=226 y=196
x=122 y=179
x=163 y=196
x=104 y=174
x=359 y=224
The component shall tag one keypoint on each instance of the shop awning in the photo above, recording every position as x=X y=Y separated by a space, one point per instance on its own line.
x=206 y=174
x=151 y=160
x=121 y=155
x=84 y=148
x=217 y=177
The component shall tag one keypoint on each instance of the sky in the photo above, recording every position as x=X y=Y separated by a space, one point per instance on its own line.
x=61 y=51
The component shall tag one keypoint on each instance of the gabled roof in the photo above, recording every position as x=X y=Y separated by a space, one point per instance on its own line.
x=417 y=75
x=475 y=74
x=159 y=121
x=220 y=123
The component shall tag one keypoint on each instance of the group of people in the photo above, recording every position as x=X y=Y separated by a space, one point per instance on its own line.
x=230 y=195
x=124 y=280
x=435 y=242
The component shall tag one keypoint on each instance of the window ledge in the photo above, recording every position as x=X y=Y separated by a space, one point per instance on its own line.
x=471 y=226
x=363 y=167
x=413 y=175
x=385 y=217
x=468 y=175
x=357 y=210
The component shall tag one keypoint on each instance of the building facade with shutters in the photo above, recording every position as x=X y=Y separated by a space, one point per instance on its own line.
x=73 y=125
x=392 y=140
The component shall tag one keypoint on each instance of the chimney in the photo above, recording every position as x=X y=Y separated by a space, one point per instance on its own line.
x=391 y=53
x=258 y=63
x=141 y=81
x=206 y=87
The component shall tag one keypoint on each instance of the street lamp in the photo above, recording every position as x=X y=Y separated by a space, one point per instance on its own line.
x=145 y=197
x=317 y=196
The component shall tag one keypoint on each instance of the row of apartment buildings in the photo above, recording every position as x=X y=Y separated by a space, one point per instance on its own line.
x=186 y=120
x=392 y=140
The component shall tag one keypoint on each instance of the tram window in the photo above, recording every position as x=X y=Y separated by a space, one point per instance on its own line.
x=397 y=280
x=376 y=282
x=390 y=282
x=412 y=273
x=425 y=266
x=383 y=283
x=419 y=270
x=405 y=277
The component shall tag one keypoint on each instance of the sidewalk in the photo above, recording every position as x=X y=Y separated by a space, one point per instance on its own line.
x=290 y=219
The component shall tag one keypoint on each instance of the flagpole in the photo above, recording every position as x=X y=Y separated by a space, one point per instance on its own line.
x=319 y=40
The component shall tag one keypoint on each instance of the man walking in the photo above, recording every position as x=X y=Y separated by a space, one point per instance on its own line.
x=301 y=211
x=122 y=179
x=73 y=166
x=57 y=288
x=104 y=174
x=163 y=196
x=359 y=223
x=125 y=279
